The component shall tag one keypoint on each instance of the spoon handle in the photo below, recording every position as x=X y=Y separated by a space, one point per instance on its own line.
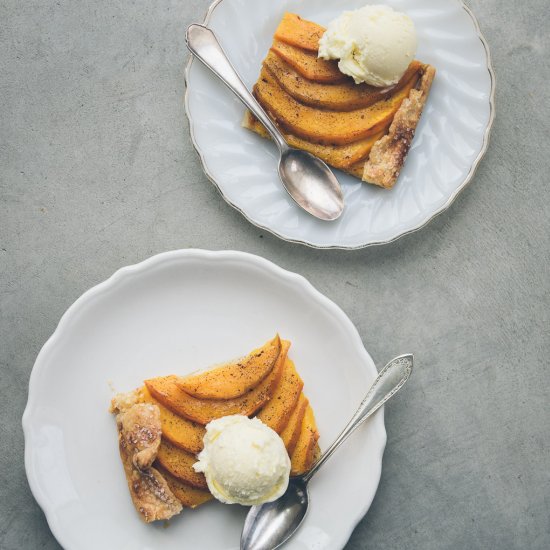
x=388 y=382
x=204 y=45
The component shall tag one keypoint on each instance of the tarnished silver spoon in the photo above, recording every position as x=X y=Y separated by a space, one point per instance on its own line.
x=308 y=180
x=269 y=525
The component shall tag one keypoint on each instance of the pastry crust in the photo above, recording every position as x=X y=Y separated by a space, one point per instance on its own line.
x=139 y=436
x=388 y=154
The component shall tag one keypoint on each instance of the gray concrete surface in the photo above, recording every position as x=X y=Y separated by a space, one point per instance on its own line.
x=97 y=172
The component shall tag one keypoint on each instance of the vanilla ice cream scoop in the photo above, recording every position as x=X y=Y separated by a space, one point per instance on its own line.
x=374 y=44
x=244 y=461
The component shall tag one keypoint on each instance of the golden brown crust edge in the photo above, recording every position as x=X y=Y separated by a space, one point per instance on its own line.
x=388 y=154
x=139 y=437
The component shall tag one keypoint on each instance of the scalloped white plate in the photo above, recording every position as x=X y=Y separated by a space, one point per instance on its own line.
x=450 y=140
x=178 y=312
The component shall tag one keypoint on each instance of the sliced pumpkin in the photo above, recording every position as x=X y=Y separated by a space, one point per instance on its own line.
x=303 y=455
x=299 y=32
x=179 y=463
x=339 y=156
x=276 y=412
x=181 y=432
x=328 y=127
x=166 y=389
x=346 y=96
x=308 y=64
x=292 y=430
x=235 y=378
x=189 y=496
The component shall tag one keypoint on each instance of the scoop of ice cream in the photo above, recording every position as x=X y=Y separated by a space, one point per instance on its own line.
x=244 y=461
x=374 y=44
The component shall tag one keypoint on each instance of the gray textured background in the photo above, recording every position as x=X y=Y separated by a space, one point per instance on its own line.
x=97 y=172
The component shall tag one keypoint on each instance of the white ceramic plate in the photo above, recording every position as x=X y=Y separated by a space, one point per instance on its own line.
x=178 y=312
x=450 y=140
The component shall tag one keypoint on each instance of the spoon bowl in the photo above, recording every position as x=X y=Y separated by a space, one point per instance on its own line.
x=311 y=183
x=272 y=524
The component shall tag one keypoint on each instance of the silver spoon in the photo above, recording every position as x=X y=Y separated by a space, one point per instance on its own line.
x=269 y=525
x=308 y=180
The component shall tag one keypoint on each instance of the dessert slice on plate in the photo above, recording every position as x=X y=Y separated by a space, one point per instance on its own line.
x=363 y=129
x=164 y=425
